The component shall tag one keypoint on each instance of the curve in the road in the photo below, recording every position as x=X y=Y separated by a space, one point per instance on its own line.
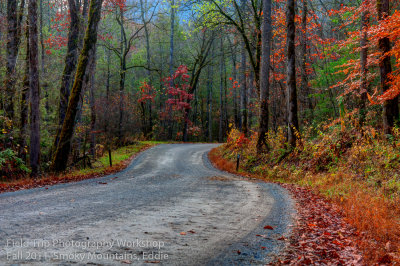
x=170 y=195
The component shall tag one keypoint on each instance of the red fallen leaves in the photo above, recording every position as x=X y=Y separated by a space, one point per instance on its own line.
x=387 y=259
x=268 y=227
x=53 y=180
x=321 y=235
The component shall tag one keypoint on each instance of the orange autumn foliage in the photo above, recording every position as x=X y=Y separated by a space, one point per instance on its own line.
x=386 y=28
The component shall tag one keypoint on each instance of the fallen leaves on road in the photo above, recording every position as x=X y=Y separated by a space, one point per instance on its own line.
x=183 y=233
x=321 y=235
x=268 y=227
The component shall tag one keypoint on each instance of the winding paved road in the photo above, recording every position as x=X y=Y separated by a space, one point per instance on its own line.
x=170 y=206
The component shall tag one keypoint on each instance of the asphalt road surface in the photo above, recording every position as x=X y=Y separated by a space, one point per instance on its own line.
x=170 y=206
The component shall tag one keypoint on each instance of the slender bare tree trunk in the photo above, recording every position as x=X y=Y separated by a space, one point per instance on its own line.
x=171 y=64
x=14 y=20
x=34 y=88
x=171 y=43
x=143 y=5
x=41 y=37
x=235 y=94
x=122 y=75
x=24 y=103
x=243 y=92
x=209 y=98
x=304 y=76
x=264 y=76
x=221 y=89
x=363 y=63
x=92 y=84
x=293 y=123
x=390 y=107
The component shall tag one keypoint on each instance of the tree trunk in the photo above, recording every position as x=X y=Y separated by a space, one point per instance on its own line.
x=70 y=60
x=243 y=92
x=60 y=158
x=69 y=67
x=293 y=124
x=149 y=127
x=390 y=107
x=264 y=76
x=34 y=88
x=171 y=49
x=363 y=63
x=234 y=88
x=304 y=76
x=209 y=100
x=122 y=74
x=221 y=88
x=42 y=69
x=92 y=82
x=14 y=20
x=24 y=103
x=171 y=64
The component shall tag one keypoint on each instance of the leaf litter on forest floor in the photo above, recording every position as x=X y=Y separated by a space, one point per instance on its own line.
x=321 y=235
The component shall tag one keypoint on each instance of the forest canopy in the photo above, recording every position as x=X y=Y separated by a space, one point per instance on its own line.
x=82 y=74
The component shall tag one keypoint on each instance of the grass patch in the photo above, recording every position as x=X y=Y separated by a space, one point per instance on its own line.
x=121 y=158
x=118 y=156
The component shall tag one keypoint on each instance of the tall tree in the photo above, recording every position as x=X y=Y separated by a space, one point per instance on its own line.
x=363 y=60
x=246 y=19
x=14 y=20
x=34 y=87
x=234 y=77
x=92 y=100
x=264 y=75
x=303 y=57
x=69 y=66
x=390 y=107
x=210 y=77
x=243 y=92
x=293 y=122
x=122 y=52
x=221 y=88
x=200 y=62
x=171 y=64
x=42 y=51
x=171 y=42
x=60 y=157
x=24 y=110
x=143 y=9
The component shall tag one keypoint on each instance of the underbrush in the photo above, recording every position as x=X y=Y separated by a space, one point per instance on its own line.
x=10 y=164
x=358 y=170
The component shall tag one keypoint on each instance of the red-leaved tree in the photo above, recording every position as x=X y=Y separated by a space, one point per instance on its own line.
x=178 y=102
